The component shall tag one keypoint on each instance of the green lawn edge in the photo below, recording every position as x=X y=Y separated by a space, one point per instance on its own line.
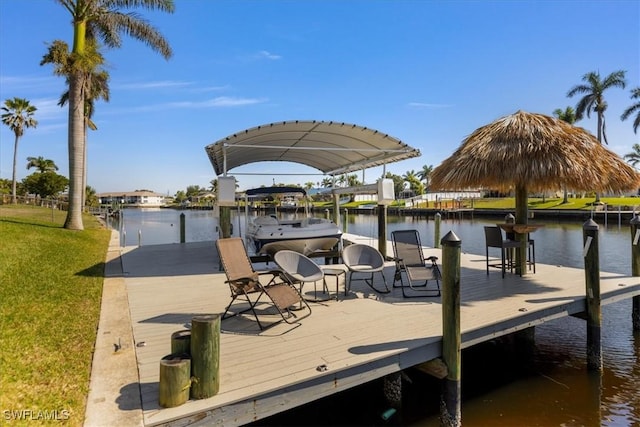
x=50 y=298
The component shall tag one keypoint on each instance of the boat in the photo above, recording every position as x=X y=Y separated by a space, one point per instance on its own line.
x=265 y=229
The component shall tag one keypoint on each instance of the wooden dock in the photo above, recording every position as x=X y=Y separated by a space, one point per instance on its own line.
x=344 y=343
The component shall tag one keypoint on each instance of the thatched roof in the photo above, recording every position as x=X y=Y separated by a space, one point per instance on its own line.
x=535 y=151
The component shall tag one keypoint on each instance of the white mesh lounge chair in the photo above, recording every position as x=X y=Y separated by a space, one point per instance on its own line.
x=299 y=270
x=364 y=260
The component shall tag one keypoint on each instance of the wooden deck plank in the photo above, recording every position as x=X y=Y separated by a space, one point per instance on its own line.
x=358 y=338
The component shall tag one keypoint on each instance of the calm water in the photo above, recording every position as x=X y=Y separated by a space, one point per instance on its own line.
x=550 y=387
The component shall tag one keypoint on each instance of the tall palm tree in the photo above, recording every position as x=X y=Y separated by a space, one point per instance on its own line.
x=593 y=99
x=104 y=21
x=41 y=164
x=569 y=116
x=633 y=158
x=18 y=115
x=97 y=88
x=635 y=108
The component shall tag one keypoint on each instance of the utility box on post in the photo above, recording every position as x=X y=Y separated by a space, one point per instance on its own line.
x=226 y=191
x=385 y=192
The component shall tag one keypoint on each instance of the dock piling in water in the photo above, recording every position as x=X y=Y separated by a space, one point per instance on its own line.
x=635 y=268
x=594 y=310
x=450 y=403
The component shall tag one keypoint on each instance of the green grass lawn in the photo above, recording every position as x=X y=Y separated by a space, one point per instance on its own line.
x=51 y=286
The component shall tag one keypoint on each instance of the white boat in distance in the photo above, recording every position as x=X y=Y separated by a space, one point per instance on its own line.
x=266 y=229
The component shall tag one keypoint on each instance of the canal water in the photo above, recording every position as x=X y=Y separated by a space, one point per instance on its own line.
x=547 y=386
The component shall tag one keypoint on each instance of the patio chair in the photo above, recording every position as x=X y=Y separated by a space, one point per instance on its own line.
x=410 y=260
x=244 y=283
x=299 y=270
x=363 y=259
x=494 y=239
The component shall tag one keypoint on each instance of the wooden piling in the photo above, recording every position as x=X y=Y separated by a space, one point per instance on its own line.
x=175 y=379
x=392 y=388
x=346 y=221
x=182 y=228
x=205 y=355
x=436 y=230
x=635 y=268
x=592 y=280
x=382 y=230
x=450 y=402
x=181 y=342
x=225 y=221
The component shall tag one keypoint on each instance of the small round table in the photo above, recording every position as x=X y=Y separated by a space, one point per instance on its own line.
x=335 y=272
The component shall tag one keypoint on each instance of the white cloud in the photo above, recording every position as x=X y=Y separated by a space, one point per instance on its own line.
x=263 y=54
x=221 y=102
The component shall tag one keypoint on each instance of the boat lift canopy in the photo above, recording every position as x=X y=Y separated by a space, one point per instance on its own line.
x=275 y=190
x=331 y=147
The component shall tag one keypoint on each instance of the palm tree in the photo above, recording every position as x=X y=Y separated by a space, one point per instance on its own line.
x=425 y=175
x=18 y=115
x=353 y=181
x=414 y=183
x=569 y=116
x=97 y=88
x=91 y=196
x=41 y=164
x=633 y=158
x=635 y=108
x=593 y=99
x=95 y=20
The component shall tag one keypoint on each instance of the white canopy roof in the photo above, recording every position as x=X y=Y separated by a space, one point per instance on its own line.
x=331 y=147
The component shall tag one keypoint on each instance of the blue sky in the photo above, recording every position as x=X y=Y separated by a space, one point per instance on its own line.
x=426 y=72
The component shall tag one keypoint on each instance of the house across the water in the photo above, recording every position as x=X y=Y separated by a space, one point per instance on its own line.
x=142 y=199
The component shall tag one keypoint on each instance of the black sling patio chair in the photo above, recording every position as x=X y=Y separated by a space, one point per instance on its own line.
x=411 y=263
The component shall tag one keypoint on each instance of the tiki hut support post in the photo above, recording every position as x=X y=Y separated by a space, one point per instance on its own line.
x=521 y=218
x=594 y=311
x=635 y=268
x=450 y=401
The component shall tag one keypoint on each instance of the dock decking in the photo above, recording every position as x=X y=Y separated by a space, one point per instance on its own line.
x=358 y=338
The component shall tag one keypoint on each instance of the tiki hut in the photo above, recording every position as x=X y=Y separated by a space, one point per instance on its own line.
x=533 y=152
